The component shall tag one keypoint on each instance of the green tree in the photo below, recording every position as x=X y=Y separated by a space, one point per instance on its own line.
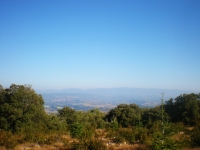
x=68 y=114
x=95 y=118
x=186 y=109
x=53 y=123
x=20 y=107
x=126 y=115
x=169 y=108
x=151 y=115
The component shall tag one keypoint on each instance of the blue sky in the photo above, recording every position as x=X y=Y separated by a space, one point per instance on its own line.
x=100 y=44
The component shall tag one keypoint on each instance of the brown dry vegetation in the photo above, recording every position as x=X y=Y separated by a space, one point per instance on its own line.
x=65 y=143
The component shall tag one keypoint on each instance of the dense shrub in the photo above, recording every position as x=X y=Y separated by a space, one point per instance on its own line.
x=9 y=140
x=127 y=135
x=195 y=136
x=161 y=143
x=76 y=130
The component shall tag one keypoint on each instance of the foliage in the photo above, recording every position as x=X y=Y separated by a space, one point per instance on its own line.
x=76 y=130
x=125 y=135
x=126 y=115
x=88 y=132
x=166 y=144
x=154 y=115
x=184 y=108
x=195 y=136
x=23 y=118
x=9 y=140
x=114 y=124
x=20 y=107
x=95 y=117
x=53 y=123
x=143 y=136
x=68 y=114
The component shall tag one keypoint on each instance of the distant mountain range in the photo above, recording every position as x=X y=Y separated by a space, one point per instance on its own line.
x=137 y=93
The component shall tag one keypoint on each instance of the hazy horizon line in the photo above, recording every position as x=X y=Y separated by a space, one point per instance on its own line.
x=82 y=89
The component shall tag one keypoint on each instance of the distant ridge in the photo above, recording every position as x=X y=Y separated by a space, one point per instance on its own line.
x=122 y=91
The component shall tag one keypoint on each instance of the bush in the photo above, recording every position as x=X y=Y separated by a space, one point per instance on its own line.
x=9 y=140
x=195 y=136
x=143 y=137
x=166 y=144
x=126 y=135
x=76 y=130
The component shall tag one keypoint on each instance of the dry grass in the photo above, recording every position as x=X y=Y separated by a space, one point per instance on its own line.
x=2 y=148
x=177 y=137
x=60 y=146
x=66 y=142
x=33 y=146
x=190 y=128
x=123 y=147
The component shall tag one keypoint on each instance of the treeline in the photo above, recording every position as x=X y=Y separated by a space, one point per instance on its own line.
x=23 y=119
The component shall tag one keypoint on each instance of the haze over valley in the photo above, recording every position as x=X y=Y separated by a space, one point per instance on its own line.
x=105 y=98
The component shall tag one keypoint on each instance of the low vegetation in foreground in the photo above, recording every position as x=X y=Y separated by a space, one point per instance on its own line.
x=24 y=124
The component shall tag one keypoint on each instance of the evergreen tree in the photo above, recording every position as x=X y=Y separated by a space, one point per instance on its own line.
x=20 y=107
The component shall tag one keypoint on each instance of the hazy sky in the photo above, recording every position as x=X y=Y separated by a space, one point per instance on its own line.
x=57 y=44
